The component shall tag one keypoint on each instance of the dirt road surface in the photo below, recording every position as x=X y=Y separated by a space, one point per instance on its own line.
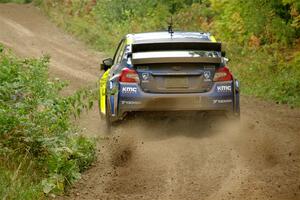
x=166 y=157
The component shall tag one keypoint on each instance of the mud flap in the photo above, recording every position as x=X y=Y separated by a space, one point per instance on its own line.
x=102 y=88
x=236 y=108
x=113 y=99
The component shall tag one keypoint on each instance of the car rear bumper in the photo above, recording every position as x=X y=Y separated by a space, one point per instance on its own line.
x=222 y=96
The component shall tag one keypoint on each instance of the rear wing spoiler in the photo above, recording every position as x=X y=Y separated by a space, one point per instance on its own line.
x=175 y=52
x=178 y=45
x=211 y=60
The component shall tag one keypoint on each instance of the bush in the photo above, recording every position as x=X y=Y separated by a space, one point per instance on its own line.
x=269 y=21
x=15 y=1
x=268 y=76
x=36 y=135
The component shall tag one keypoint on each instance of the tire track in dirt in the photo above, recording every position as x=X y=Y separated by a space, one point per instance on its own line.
x=24 y=29
x=151 y=157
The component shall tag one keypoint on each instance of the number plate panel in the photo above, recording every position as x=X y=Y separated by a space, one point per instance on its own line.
x=176 y=82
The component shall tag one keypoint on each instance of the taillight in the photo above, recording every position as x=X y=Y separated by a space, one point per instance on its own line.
x=129 y=76
x=223 y=74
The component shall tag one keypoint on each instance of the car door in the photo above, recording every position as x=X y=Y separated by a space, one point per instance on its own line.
x=103 y=83
x=113 y=84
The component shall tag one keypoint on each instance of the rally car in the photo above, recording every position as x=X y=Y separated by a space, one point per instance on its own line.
x=163 y=71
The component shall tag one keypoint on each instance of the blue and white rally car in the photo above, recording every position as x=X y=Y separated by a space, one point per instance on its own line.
x=162 y=71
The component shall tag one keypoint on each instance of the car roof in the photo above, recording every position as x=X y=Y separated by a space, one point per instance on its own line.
x=166 y=36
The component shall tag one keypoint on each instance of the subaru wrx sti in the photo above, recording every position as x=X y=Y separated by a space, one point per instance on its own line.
x=162 y=71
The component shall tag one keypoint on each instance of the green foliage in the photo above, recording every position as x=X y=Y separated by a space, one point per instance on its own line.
x=35 y=128
x=18 y=186
x=268 y=76
x=258 y=34
x=15 y=1
x=116 y=18
x=197 y=17
x=253 y=31
x=270 y=22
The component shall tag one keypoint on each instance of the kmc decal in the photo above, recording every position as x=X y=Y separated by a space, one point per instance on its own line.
x=224 y=88
x=129 y=90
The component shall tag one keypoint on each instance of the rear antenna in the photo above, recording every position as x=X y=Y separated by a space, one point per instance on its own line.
x=170 y=27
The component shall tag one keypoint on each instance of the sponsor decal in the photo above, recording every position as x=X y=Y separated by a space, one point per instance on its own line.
x=129 y=90
x=207 y=75
x=131 y=102
x=224 y=88
x=221 y=101
x=145 y=77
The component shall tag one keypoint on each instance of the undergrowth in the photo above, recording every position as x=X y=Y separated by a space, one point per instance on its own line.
x=275 y=77
x=15 y=1
x=41 y=152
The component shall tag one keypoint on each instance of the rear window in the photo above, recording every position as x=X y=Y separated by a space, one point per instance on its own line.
x=175 y=54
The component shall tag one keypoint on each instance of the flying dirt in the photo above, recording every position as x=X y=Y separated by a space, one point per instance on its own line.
x=153 y=156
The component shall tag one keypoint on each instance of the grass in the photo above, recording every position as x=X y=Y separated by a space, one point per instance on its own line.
x=16 y=184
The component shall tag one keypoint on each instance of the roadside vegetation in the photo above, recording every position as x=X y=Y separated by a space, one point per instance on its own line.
x=261 y=37
x=15 y=1
x=41 y=152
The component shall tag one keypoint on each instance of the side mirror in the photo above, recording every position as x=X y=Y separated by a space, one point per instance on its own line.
x=106 y=64
x=223 y=53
